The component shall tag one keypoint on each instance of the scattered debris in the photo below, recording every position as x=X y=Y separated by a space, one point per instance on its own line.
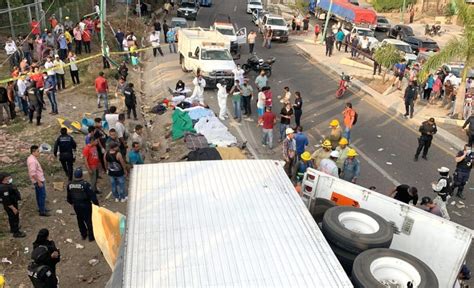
x=79 y=246
x=58 y=186
x=155 y=146
x=388 y=163
x=27 y=250
x=93 y=262
x=460 y=206
x=6 y=160
x=457 y=213
x=59 y=211
x=69 y=240
x=393 y=155
x=108 y=195
x=379 y=136
x=55 y=200
x=5 y=260
x=380 y=149
x=461 y=202
x=453 y=203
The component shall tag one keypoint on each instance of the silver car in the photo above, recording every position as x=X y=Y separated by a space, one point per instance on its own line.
x=382 y=24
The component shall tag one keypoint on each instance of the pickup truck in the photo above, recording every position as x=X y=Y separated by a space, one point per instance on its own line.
x=236 y=38
x=361 y=32
x=439 y=243
x=208 y=51
x=188 y=9
x=278 y=25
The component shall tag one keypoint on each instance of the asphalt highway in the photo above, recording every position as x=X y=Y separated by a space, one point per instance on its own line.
x=385 y=142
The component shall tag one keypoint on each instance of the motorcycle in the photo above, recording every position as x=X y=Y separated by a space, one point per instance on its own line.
x=434 y=30
x=258 y=64
x=344 y=84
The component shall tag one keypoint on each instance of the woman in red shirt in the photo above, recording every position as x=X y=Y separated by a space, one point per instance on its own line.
x=37 y=77
x=86 y=39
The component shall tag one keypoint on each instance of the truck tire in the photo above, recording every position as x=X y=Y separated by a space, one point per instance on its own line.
x=391 y=268
x=318 y=207
x=355 y=229
x=345 y=258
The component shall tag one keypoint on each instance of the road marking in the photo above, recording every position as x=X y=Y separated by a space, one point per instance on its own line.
x=375 y=165
x=242 y=136
x=235 y=8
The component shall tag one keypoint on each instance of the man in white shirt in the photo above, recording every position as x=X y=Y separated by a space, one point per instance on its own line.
x=122 y=133
x=48 y=65
x=329 y=166
x=155 y=43
x=238 y=74
x=198 y=92
x=12 y=51
x=112 y=117
x=59 y=70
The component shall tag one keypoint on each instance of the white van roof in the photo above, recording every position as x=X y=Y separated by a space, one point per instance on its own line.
x=223 y=224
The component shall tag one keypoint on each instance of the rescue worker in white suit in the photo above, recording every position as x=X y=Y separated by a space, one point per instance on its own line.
x=443 y=188
x=222 y=100
x=198 y=92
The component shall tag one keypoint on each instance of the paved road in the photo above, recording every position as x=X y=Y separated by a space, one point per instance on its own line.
x=376 y=128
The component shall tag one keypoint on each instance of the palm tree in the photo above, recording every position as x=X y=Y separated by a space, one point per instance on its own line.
x=457 y=49
x=387 y=56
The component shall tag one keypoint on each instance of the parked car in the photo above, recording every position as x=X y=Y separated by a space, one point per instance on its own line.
x=400 y=32
x=254 y=4
x=278 y=25
x=422 y=44
x=257 y=15
x=178 y=22
x=188 y=10
x=382 y=24
x=206 y=3
x=403 y=47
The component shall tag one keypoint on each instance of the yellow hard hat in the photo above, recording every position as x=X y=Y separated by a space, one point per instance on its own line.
x=2 y=281
x=306 y=156
x=334 y=123
x=351 y=153
x=326 y=143
x=343 y=141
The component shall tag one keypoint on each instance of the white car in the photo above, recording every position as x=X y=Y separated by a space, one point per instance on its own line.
x=254 y=4
x=361 y=32
x=405 y=48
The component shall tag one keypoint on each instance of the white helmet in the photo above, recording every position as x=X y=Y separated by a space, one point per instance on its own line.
x=260 y=61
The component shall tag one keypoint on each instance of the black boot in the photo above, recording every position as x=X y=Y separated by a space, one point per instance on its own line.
x=38 y=121
x=460 y=195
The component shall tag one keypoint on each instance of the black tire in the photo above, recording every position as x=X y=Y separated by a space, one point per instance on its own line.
x=345 y=258
x=268 y=72
x=363 y=277
x=351 y=241
x=318 y=207
x=246 y=68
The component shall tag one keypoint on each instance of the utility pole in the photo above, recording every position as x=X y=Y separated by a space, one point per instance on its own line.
x=102 y=27
x=326 y=24
x=402 y=17
x=10 y=17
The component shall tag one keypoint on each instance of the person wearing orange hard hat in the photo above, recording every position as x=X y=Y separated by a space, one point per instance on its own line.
x=351 y=169
x=335 y=134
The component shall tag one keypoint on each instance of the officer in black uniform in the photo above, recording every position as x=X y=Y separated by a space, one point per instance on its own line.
x=130 y=101
x=9 y=196
x=81 y=197
x=66 y=146
x=464 y=160
x=427 y=130
x=40 y=271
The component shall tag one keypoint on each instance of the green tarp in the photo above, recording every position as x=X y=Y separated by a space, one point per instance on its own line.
x=181 y=123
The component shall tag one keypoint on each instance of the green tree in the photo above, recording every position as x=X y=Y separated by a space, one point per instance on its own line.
x=387 y=56
x=457 y=49
x=300 y=6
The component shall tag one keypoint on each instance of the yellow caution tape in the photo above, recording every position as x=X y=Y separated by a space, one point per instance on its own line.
x=80 y=61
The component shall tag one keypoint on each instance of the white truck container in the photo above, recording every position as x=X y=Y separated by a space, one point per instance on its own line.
x=229 y=223
x=208 y=51
x=439 y=243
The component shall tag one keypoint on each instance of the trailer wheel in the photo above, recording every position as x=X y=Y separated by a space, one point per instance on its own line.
x=318 y=207
x=345 y=258
x=355 y=229
x=391 y=268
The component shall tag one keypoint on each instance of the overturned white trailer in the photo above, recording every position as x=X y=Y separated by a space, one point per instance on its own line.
x=236 y=223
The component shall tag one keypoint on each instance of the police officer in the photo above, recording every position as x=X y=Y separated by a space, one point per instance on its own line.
x=66 y=146
x=130 y=100
x=81 y=197
x=427 y=130
x=9 y=196
x=464 y=160
x=40 y=272
x=444 y=190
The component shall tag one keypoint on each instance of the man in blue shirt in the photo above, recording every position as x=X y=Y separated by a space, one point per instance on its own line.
x=301 y=141
x=171 y=38
x=134 y=156
x=119 y=35
x=50 y=89
x=399 y=73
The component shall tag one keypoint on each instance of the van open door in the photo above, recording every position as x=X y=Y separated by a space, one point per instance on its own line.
x=241 y=36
